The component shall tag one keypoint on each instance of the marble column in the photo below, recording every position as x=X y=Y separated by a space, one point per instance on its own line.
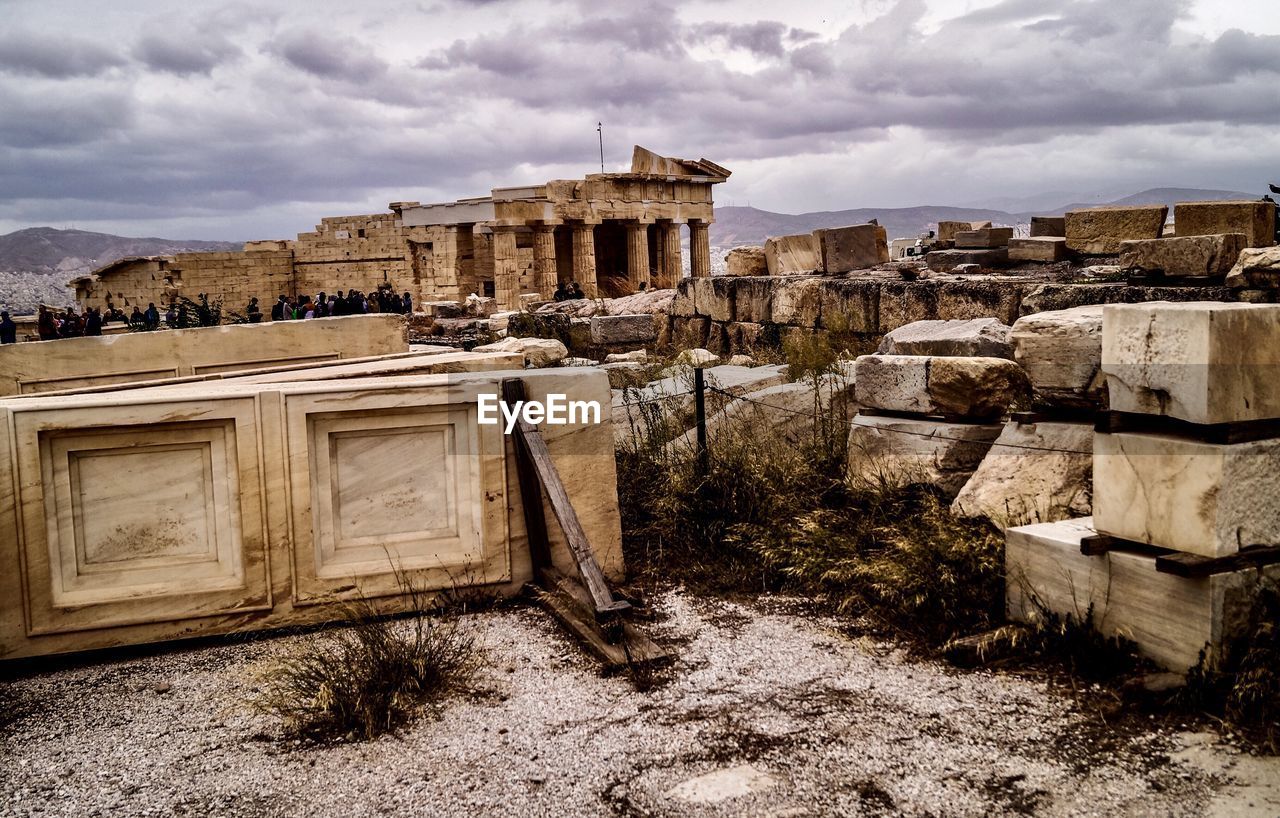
x=584 y=258
x=506 y=268
x=544 y=260
x=699 y=249
x=671 y=269
x=637 y=255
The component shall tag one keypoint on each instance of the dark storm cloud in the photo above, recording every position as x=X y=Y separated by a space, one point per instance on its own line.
x=271 y=110
x=323 y=56
x=193 y=53
x=763 y=38
x=57 y=58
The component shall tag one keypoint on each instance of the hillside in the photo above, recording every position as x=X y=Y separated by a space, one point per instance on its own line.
x=37 y=263
x=736 y=226
x=49 y=250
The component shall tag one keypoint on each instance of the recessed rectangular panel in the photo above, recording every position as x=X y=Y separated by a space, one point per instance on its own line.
x=380 y=490
x=405 y=483
x=140 y=521
x=170 y=520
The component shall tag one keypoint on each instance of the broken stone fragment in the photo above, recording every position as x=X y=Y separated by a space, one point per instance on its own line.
x=538 y=352
x=1256 y=267
x=1099 y=230
x=917 y=451
x=746 y=261
x=788 y=255
x=969 y=387
x=985 y=238
x=1183 y=255
x=1038 y=248
x=1255 y=219
x=977 y=337
x=607 y=330
x=1061 y=352
x=857 y=247
x=1034 y=473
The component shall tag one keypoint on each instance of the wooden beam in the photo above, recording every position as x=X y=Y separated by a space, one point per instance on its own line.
x=1194 y=565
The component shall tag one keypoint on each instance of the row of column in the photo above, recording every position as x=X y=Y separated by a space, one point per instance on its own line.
x=506 y=266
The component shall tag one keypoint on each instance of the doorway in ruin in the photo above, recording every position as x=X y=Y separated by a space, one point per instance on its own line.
x=422 y=262
x=611 y=259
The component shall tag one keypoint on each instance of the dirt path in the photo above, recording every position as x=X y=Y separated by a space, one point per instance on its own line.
x=768 y=713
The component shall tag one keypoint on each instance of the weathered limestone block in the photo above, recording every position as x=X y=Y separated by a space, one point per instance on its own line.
x=1038 y=248
x=976 y=337
x=624 y=373
x=1035 y=472
x=714 y=297
x=1256 y=220
x=850 y=305
x=978 y=299
x=788 y=255
x=962 y=387
x=1202 y=498
x=634 y=356
x=856 y=247
x=1202 y=362
x=744 y=336
x=1184 y=255
x=1043 y=226
x=1256 y=268
x=797 y=302
x=746 y=261
x=684 y=305
x=943 y=261
x=538 y=352
x=905 y=302
x=689 y=333
x=1099 y=230
x=623 y=329
x=696 y=357
x=1061 y=352
x=1170 y=618
x=947 y=230
x=785 y=409
x=909 y=451
x=985 y=238
x=753 y=298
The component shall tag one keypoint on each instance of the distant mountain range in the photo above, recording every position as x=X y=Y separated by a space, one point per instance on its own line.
x=735 y=226
x=48 y=250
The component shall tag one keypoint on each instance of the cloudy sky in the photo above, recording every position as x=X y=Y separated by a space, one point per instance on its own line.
x=237 y=120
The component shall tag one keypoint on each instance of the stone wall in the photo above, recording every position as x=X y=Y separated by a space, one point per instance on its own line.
x=155 y=514
x=733 y=313
x=70 y=363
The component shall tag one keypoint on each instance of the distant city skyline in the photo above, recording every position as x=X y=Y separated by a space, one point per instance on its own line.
x=231 y=120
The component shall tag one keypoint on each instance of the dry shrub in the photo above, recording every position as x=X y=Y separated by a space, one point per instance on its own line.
x=774 y=511
x=1243 y=687
x=369 y=675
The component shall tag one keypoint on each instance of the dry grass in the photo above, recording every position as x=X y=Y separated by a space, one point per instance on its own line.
x=370 y=674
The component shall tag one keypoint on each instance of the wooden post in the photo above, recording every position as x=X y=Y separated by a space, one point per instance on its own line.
x=700 y=415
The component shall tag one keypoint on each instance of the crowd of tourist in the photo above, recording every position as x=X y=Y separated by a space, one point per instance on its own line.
x=52 y=324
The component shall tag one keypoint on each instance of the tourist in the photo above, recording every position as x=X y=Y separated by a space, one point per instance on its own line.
x=171 y=317
x=253 y=311
x=8 y=329
x=278 y=309
x=322 y=306
x=137 y=319
x=45 y=325
x=338 y=304
x=92 y=323
x=71 y=326
x=406 y=304
x=562 y=292
x=575 y=291
x=152 y=316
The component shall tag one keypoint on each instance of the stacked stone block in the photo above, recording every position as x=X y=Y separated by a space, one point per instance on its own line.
x=1185 y=381
x=928 y=419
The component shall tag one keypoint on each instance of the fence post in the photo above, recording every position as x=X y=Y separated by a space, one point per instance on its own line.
x=700 y=413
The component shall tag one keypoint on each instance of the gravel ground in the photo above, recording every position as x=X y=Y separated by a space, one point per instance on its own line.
x=805 y=719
